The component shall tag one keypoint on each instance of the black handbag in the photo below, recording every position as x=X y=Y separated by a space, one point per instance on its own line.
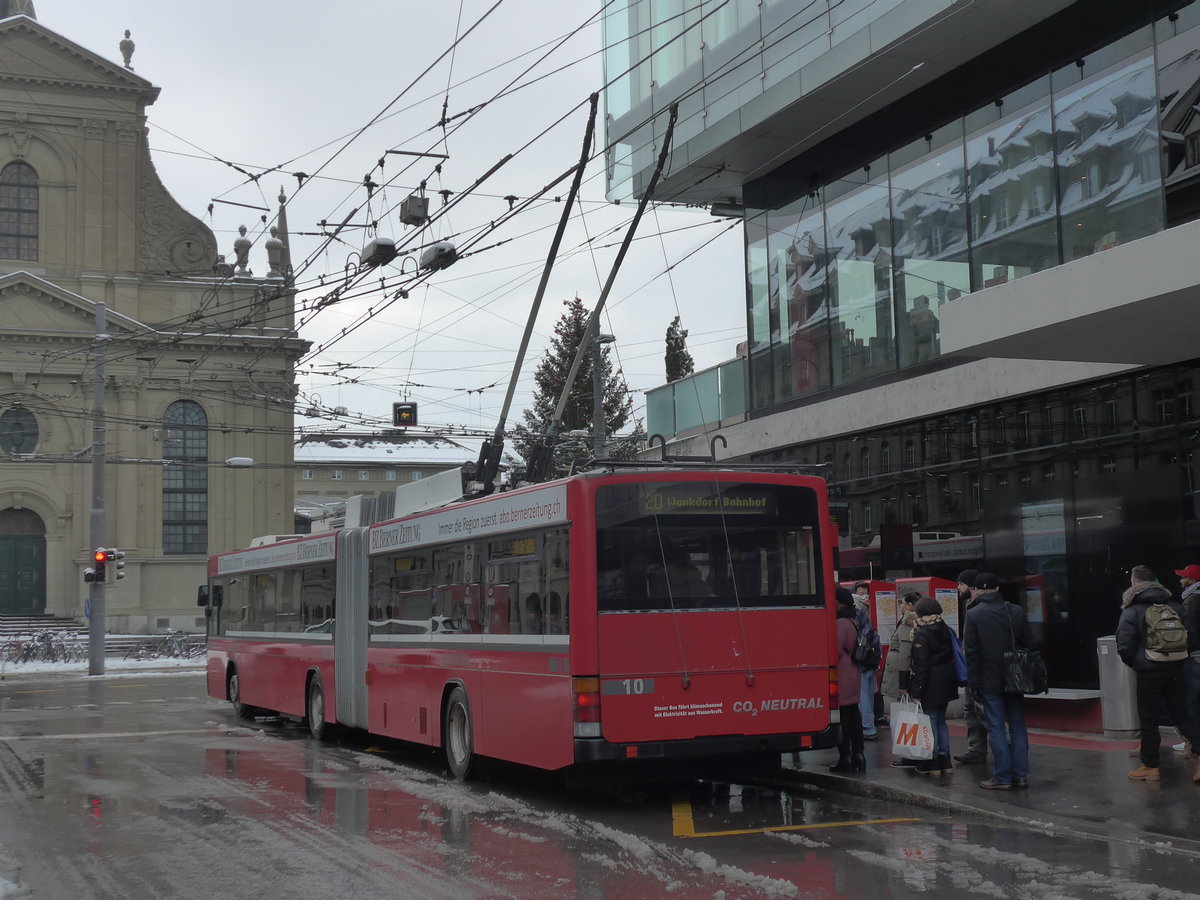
x=866 y=655
x=1024 y=670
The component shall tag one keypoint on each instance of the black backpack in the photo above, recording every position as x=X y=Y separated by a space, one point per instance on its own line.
x=866 y=653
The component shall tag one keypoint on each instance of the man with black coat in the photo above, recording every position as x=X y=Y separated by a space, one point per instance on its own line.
x=993 y=627
x=1159 y=683
x=976 y=751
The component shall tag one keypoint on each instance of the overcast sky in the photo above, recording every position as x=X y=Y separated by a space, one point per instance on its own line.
x=292 y=83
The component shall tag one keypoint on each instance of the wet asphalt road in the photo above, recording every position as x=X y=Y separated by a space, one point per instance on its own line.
x=139 y=786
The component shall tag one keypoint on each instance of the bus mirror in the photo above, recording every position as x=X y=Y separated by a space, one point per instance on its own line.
x=202 y=595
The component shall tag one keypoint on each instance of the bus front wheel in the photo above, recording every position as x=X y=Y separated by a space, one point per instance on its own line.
x=240 y=710
x=457 y=737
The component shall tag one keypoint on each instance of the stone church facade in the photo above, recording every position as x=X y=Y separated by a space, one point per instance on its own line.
x=198 y=358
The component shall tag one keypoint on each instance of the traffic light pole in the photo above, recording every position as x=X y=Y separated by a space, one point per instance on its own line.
x=96 y=610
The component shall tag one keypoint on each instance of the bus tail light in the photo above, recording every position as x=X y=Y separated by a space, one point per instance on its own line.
x=586 y=706
x=833 y=688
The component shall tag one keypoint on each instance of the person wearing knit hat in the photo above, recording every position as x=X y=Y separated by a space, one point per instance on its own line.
x=995 y=627
x=976 y=751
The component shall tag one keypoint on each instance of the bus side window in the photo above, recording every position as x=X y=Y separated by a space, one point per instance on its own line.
x=556 y=614
x=496 y=604
x=533 y=622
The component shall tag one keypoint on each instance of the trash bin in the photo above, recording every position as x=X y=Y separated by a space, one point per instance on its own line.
x=1118 y=691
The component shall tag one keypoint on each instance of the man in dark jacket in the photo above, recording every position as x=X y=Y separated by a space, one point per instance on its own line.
x=1158 y=683
x=976 y=751
x=994 y=626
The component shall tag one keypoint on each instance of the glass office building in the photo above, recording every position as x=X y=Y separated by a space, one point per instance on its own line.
x=875 y=196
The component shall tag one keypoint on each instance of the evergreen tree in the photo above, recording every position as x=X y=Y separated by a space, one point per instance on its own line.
x=549 y=377
x=679 y=361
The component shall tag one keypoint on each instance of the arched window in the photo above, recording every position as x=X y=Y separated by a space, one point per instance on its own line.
x=18 y=212
x=18 y=430
x=185 y=478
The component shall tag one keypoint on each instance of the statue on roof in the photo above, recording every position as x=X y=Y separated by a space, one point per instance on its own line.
x=17 y=8
x=127 y=46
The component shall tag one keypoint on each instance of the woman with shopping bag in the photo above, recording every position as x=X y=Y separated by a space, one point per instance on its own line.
x=933 y=681
x=894 y=685
x=851 y=757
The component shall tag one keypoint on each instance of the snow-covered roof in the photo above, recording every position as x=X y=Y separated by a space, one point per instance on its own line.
x=381 y=449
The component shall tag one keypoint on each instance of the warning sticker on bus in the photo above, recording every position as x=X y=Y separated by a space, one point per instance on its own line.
x=687 y=710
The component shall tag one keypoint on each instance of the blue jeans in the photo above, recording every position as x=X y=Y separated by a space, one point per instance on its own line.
x=866 y=701
x=1191 y=669
x=1005 y=717
x=941 y=732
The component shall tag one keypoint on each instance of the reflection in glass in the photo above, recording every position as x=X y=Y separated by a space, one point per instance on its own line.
x=798 y=261
x=1010 y=170
x=859 y=244
x=759 y=298
x=929 y=226
x=1109 y=175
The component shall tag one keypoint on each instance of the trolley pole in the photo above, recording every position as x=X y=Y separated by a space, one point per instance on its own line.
x=96 y=605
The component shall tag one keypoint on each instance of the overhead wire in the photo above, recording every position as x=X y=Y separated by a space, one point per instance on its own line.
x=348 y=143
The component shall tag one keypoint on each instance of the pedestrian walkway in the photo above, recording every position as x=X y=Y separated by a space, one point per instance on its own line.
x=1077 y=784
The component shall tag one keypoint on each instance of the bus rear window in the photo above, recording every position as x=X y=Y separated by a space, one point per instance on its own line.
x=706 y=545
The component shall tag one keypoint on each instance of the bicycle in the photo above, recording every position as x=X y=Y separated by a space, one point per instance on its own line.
x=173 y=645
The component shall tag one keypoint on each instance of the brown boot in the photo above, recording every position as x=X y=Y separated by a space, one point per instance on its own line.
x=1145 y=773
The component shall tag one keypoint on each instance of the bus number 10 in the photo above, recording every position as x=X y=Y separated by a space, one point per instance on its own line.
x=627 y=686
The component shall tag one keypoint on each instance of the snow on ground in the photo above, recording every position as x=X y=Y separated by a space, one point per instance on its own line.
x=112 y=666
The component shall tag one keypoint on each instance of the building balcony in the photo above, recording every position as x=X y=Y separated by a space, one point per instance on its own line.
x=1131 y=303
x=708 y=399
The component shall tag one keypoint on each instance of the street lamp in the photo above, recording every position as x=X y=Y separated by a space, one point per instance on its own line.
x=598 y=340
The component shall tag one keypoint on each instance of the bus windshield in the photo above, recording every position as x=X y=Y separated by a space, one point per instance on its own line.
x=705 y=545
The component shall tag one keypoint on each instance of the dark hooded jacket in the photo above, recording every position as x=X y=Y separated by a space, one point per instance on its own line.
x=1131 y=629
x=993 y=627
x=933 y=680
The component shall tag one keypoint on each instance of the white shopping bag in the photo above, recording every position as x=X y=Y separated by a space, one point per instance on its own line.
x=912 y=732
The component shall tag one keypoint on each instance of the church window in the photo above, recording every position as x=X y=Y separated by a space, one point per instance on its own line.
x=18 y=430
x=18 y=212
x=185 y=478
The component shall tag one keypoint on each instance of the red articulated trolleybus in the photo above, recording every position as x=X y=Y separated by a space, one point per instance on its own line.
x=662 y=614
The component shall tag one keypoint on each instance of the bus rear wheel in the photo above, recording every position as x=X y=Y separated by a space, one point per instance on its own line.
x=240 y=710
x=457 y=737
x=315 y=707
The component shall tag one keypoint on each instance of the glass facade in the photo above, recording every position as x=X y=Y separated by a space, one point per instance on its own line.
x=715 y=57
x=1060 y=492
x=847 y=282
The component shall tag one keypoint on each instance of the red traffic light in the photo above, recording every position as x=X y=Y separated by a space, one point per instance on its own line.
x=100 y=556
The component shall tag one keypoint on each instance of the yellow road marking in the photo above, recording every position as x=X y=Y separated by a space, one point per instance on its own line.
x=683 y=824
